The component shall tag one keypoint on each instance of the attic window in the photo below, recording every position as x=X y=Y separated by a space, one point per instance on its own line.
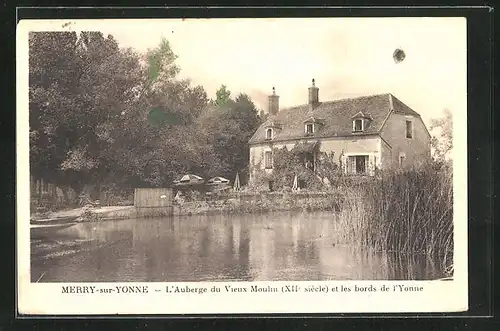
x=357 y=125
x=402 y=157
x=309 y=129
x=269 y=134
x=409 y=129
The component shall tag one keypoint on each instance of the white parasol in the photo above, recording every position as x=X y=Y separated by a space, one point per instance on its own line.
x=237 y=185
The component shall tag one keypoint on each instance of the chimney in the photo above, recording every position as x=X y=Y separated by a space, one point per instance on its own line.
x=313 y=95
x=274 y=103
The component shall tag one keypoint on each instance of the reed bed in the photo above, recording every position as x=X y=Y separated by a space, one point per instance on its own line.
x=401 y=211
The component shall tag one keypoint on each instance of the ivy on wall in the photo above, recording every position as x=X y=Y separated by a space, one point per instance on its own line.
x=290 y=163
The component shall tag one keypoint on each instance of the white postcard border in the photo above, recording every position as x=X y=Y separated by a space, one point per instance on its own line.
x=48 y=298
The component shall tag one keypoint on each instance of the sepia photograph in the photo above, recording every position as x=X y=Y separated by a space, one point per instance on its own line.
x=245 y=150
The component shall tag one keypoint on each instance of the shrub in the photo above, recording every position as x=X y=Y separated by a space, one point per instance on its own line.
x=87 y=215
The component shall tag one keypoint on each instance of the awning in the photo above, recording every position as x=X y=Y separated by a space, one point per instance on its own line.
x=304 y=147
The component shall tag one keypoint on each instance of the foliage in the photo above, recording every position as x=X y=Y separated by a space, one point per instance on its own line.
x=78 y=87
x=88 y=215
x=263 y=115
x=442 y=141
x=228 y=128
x=408 y=211
x=223 y=96
x=103 y=116
x=161 y=63
x=288 y=163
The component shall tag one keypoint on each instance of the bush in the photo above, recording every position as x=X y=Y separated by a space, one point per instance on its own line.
x=88 y=215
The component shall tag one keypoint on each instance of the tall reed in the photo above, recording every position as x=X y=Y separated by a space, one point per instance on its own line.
x=408 y=211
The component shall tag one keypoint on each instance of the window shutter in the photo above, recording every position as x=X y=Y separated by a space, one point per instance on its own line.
x=268 y=160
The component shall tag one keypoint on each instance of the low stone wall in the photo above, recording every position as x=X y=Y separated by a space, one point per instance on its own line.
x=152 y=212
x=261 y=202
x=234 y=203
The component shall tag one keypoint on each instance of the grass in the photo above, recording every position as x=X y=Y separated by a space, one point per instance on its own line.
x=402 y=211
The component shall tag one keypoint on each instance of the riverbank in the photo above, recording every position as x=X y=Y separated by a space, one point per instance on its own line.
x=74 y=214
x=406 y=212
x=233 y=203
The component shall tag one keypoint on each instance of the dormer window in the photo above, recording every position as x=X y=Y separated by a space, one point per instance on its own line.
x=357 y=125
x=269 y=134
x=309 y=129
x=313 y=125
x=273 y=129
x=360 y=121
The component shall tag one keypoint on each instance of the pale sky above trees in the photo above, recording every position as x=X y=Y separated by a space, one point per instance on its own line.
x=347 y=56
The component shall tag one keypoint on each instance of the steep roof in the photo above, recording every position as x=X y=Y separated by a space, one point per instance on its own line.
x=336 y=115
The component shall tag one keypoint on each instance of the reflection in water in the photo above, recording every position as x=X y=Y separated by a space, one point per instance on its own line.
x=278 y=246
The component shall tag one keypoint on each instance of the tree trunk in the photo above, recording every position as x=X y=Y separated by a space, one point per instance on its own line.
x=55 y=198
x=96 y=192
x=65 y=195
x=39 y=192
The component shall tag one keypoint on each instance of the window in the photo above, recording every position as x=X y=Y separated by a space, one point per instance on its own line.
x=268 y=160
x=309 y=161
x=361 y=164
x=357 y=164
x=309 y=129
x=357 y=125
x=402 y=157
x=269 y=134
x=409 y=129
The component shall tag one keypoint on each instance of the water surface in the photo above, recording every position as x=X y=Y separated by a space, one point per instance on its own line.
x=255 y=247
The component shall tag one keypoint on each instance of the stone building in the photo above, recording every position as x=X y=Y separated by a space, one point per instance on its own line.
x=361 y=134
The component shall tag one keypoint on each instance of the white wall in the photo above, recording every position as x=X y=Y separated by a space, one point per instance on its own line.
x=417 y=149
x=362 y=145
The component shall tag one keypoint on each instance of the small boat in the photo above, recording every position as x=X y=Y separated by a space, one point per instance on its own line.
x=54 y=220
x=44 y=230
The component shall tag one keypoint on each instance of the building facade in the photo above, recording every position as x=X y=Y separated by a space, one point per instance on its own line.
x=361 y=134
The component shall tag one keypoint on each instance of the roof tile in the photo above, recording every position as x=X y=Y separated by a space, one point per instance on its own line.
x=336 y=116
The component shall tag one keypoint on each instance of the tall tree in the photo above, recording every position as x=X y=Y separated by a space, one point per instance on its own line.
x=229 y=127
x=101 y=115
x=164 y=143
x=53 y=83
x=223 y=96
x=79 y=86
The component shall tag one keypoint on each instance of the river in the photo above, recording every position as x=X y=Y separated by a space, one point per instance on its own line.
x=251 y=247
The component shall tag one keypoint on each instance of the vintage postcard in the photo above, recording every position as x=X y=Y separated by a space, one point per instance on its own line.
x=221 y=166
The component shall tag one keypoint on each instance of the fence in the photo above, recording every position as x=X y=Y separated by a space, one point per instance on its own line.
x=45 y=196
x=117 y=197
x=153 y=202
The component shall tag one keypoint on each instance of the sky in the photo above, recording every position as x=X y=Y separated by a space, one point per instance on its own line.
x=347 y=57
